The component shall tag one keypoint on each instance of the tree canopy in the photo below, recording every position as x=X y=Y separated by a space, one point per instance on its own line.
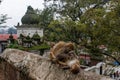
x=74 y=9
x=88 y=23
x=3 y=18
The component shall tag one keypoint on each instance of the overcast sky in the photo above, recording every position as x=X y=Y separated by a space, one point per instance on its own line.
x=17 y=8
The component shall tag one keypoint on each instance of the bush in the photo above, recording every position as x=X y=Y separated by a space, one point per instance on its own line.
x=40 y=47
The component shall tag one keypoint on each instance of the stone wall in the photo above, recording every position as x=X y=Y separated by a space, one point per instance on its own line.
x=21 y=65
x=9 y=72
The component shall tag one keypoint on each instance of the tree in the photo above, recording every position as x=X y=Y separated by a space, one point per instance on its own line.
x=0 y=1
x=45 y=17
x=12 y=30
x=103 y=28
x=54 y=31
x=36 y=38
x=87 y=26
x=69 y=9
x=74 y=9
x=3 y=18
x=112 y=19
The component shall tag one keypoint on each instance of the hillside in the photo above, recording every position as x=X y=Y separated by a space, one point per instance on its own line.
x=7 y=30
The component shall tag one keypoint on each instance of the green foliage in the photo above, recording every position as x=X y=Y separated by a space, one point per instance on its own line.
x=43 y=46
x=12 y=30
x=36 y=36
x=45 y=17
x=28 y=37
x=54 y=29
x=74 y=9
x=30 y=10
x=91 y=28
x=21 y=36
x=3 y=18
x=77 y=22
x=15 y=46
x=40 y=47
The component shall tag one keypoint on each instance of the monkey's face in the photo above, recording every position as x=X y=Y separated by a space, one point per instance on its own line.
x=74 y=66
x=62 y=57
x=75 y=69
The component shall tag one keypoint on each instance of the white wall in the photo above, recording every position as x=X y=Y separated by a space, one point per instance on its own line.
x=31 y=31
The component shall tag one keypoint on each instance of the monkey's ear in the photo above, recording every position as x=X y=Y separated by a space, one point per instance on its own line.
x=70 y=45
x=52 y=44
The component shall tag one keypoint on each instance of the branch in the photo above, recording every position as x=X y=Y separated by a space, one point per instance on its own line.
x=108 y=54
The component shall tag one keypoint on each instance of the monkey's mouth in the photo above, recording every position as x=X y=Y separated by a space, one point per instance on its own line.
x=75 y=70
x=74 y=66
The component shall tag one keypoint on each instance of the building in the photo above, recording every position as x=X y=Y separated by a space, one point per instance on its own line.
x=4 y=37
x=86 y=59
x=30 y=30
x=4 y=40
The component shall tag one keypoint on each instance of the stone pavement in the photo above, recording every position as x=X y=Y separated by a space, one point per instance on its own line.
x=106 y=78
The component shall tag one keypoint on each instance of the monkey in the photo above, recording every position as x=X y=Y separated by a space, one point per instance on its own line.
x=74 y=66
x=60 y=47
x=69 y=47
x=56 y=49
x=69 y=62
x=63 y=54
x=51 y=44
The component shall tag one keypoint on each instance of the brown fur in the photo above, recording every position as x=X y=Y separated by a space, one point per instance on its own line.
x=60 y=48
x=75 y=68
x=63 y=54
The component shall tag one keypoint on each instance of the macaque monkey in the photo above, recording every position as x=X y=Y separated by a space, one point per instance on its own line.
x=61 y=48
x=69 y=61
x=63 y=53
x=74 y=66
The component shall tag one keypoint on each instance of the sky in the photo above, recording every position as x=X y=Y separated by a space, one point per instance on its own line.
x=17 y=8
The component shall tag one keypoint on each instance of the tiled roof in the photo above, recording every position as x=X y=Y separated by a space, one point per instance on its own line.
x=4 y=37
